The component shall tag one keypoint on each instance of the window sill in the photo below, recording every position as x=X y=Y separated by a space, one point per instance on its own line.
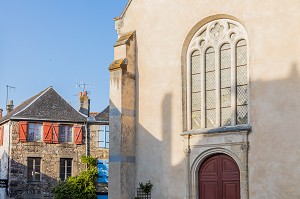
x=224 y=129
x=66 y=144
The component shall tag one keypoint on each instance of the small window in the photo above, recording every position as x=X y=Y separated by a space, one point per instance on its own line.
x=103 y=139
x=65 y=133
x=34 y=169
x=34 y=132
x=65 y=168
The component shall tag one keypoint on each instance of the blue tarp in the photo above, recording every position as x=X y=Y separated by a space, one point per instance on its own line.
x=102 y=166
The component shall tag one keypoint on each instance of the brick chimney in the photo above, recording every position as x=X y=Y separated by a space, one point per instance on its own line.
x=9 y=107
x=84 y=106
x=1 y=110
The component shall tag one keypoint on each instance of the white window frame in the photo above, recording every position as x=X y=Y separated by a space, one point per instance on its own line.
x=105 y=133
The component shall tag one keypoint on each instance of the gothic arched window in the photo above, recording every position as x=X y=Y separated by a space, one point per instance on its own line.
x=217 y=76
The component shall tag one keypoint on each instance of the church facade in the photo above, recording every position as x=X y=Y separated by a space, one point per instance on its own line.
x=204 y=100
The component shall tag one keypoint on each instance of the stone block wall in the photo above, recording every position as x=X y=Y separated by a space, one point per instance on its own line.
x=50 y=155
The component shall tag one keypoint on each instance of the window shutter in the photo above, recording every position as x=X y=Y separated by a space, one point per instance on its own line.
x=23 y=131
x=47 y=132
x=1 y=135
x=55 y=133
x=77 y=134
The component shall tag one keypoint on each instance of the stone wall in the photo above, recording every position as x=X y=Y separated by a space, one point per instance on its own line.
x=50 y=155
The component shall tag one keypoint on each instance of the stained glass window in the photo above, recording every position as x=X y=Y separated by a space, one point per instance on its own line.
x=210 y=88
x=196 y=90
x=225 y=73
x=218 y=77
x=241 y=86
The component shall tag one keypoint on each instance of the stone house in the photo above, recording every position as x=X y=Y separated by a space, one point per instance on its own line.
x=41 y=143
x=204 y=100
x=99 y=146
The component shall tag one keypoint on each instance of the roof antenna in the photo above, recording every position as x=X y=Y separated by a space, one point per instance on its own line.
x=84 y=86
x=8 y=89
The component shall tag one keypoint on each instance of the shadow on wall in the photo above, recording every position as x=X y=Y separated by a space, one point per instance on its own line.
x=274 y=111
x=22 y=188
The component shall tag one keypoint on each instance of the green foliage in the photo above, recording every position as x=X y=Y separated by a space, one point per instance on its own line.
x=81 y=186
x=147 y=187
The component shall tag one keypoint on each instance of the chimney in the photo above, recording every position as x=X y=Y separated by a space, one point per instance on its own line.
x=84 y=106
x=9 y=107
x=1 y=110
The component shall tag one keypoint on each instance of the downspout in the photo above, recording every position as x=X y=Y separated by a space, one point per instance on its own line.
x=9 y=158
x=188 y=163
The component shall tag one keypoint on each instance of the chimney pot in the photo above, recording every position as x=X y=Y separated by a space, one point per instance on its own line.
x=85 y=93
x=1 y=110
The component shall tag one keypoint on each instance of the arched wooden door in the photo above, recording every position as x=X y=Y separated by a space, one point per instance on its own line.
x=219 y=178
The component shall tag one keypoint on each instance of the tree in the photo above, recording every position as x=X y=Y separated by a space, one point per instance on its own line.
x=81 y=186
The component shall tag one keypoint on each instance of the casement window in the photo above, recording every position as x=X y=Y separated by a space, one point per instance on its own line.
x=65 y=133
x=65 y=170
x=34 y=169
x=102 y=166
x=103 y=137
x=217 y=76
x=34 y=132
x=53 y=133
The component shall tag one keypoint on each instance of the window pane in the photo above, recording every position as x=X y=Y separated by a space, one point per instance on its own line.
x=210 y=99
x=210 y=60
x=225 y=97
x=210 y=118
x=242 y=114
x=242 y=95
x=196 y=101
x=196 y=119
x=195 y=61
x=210 y=81
x=241 y=75
x=225 y=78
x=241 y=53
x=225 y=56
x=196 y=82
x=225 y=116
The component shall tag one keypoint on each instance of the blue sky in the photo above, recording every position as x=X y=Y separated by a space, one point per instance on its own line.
x=57 y=43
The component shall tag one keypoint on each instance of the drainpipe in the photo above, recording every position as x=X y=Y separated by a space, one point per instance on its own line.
x=9 y=158
x=187 y=154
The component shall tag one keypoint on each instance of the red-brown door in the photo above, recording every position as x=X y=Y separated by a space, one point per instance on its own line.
x=219 y=178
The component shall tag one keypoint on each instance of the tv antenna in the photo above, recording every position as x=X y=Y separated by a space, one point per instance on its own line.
x=84 y=85
x=8 y=90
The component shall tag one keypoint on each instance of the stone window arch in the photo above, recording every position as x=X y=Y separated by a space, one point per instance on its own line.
x=217 y=76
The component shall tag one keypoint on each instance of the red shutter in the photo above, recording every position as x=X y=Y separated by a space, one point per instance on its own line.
x=1 y=135
x=55 y=133
x=77 y=134
x=23 y=131
x=47 y=132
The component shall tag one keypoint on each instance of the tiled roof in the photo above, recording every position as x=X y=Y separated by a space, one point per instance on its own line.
x=47 y=105
x=103 y=116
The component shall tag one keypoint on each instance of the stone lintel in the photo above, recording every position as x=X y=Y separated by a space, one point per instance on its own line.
x=124 y=38
x=118 y=64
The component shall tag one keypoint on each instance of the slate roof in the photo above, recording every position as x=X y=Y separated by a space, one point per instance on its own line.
x=103 y=116
x=47 y=105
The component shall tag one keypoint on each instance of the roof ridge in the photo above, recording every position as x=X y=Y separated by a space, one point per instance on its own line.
x=37 y=96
